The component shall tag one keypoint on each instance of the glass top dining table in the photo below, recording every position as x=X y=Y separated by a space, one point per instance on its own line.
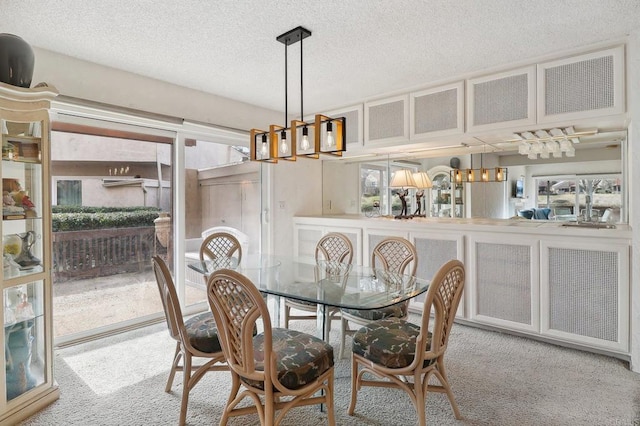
x=327 y=284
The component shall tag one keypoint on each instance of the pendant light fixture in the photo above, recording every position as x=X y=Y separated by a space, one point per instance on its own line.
x=483 y=174
x=323 y=135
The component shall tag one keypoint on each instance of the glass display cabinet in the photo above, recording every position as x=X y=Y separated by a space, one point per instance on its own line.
x=26 y=383
x=447 y=197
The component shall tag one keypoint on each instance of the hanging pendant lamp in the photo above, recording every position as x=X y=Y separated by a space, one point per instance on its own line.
x=324 y=134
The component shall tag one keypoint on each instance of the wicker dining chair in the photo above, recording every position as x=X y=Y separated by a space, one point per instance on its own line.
x=279 y=369
x=196 y=337
x=404 y=355
x=333 y=247
x=222 y=247
x=392 y=254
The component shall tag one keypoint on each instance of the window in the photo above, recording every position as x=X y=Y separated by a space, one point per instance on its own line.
x=373 y=187
x=69 y=193
x=594 y=198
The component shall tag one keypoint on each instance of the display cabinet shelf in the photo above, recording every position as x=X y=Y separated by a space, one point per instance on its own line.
x=447 y=198
x=26 y=382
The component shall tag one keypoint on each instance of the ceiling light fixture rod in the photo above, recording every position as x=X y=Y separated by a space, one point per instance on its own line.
x=288 y=38
x=301 y=85
x=286 y=87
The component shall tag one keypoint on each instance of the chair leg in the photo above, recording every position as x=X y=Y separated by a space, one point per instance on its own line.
x=186 y=387
x=344 y=327
x=269 y=409
x=176 y=359
x=420 y=393
x=287 y=312
x=442 y=377
x=354 y=387
x=235 y=387
x=331 y=417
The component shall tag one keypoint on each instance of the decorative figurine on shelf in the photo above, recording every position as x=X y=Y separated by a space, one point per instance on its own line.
x=28 y=206
x=9 y=208
x=17 y=193
x=402 y=193
x=7 y=199
x=419 y=195
x=24 y=309
x=21 y=200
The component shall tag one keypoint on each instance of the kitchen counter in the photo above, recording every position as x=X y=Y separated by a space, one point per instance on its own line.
x=511 y=225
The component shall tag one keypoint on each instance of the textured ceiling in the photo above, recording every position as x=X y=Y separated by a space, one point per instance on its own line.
x=359 y=50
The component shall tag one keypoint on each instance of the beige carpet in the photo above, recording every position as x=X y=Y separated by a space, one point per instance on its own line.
x=497 y=379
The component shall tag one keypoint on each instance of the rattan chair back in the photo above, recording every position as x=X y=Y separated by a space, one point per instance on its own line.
x=221 y=245
x=442 y=300
x=395 y=254
x=334 y=247
x=169 y=297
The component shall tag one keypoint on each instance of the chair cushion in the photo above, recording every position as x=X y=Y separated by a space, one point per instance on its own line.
x=202 y=332
x=390 y=342
x=300 y=358
x=398 y=310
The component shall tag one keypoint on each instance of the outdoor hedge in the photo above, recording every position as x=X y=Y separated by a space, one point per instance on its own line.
x=74 y=218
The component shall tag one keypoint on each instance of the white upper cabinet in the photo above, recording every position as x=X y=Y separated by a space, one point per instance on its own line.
x=438 y=111
x=561 y=91
x=353 y=116
x=502 y=100
x=583 y=86
x=386 y=121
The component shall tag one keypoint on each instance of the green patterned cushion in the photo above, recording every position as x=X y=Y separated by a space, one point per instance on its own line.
x=398 y=310
x=389 y=342
x=300 y=358
x=202 y=332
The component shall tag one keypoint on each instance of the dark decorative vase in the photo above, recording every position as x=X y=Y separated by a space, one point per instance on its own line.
x=16 y=61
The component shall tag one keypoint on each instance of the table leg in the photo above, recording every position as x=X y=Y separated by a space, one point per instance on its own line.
x=273 y=303
x=323 y=322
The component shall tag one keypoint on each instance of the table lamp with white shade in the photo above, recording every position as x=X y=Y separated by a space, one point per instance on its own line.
x=403 y=179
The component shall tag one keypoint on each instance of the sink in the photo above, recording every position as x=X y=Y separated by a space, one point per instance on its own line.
x=593 y=225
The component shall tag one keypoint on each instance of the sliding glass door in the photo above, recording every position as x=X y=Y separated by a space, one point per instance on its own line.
x=111 y=192
x=222 y=194
x=119 y=199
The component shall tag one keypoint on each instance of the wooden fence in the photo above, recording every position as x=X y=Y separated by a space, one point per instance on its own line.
x=102 y=252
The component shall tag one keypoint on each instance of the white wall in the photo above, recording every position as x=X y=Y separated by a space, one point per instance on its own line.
x=297 y=191
x=86 y=80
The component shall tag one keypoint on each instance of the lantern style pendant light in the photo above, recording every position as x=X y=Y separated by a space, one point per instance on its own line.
x=324 y=134
x=483 y=174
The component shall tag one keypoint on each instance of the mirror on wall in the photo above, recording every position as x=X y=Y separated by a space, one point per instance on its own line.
x=588 y=186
